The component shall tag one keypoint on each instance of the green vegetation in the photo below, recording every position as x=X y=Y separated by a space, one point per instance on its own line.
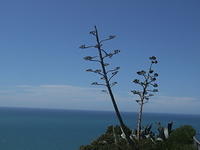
x=180 y=139
x=110 y=140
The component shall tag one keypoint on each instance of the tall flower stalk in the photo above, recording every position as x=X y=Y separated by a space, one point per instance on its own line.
x=106 y=74
x=148 y=87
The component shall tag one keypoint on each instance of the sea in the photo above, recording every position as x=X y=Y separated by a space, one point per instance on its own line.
x=50 y=129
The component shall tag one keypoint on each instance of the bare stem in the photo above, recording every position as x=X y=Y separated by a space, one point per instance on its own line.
x=107 y=81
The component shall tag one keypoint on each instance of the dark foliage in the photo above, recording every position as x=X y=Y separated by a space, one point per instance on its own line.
x=110 y=140
x=180 y=139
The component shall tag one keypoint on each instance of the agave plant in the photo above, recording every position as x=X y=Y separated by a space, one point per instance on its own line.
x=148 y=133
x=164 y=132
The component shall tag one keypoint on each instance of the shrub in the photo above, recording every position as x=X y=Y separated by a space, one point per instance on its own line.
x=110 y=140
x=180 y=139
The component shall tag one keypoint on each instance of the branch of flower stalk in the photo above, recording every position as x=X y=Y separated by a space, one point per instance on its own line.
x=145 y=76
x=95 y=60
x=113 y=84
x=104 y=52
x=111 y=54
x=109 y=38
x=113 y=74
x=84 y=46
x=117 y=68
x=96 y=83
x=136 y=81
x=90 y=58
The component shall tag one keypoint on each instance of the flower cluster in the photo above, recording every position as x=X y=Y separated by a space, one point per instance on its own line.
x=112 y=37
x=153 y=60
x=88 y=58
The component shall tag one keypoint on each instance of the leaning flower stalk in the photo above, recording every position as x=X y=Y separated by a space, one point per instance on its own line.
x=106 y=75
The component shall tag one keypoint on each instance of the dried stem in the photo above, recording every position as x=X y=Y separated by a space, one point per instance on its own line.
x=107 y=76
x=144 y=93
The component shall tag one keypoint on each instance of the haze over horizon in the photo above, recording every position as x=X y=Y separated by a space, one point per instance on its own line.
x=43 y=67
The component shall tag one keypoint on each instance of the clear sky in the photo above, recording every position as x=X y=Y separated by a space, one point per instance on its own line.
x=42 y=66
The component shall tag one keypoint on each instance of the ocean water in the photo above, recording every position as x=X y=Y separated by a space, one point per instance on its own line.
x=43 y=129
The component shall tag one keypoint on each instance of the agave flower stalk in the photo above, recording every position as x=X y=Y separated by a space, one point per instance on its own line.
x=106 y=74
x=148 y=87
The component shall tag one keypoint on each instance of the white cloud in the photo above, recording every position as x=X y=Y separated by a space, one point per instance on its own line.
x=75 y=97
x=172 y=104
x=23 y=86
x=162 y=104
x=52 y=96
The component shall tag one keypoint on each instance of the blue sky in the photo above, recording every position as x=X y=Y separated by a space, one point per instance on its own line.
x=42 y=66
